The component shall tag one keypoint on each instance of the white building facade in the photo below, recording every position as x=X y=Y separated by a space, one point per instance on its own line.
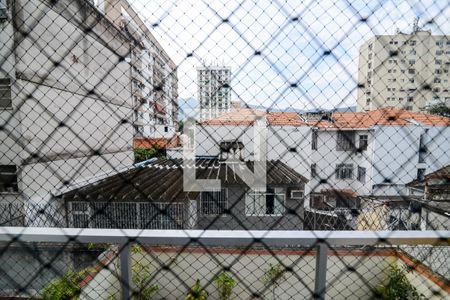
x=375 y=153
x=154 y=74
x=214 y=91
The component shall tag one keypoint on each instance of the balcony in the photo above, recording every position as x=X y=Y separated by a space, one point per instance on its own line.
x=320 y=264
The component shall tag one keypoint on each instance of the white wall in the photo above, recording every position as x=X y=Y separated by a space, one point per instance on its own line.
x=63 y=122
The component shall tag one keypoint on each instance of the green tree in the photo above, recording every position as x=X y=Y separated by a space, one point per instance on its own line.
x=273 y=277
x=197 y=292
x=225 y=285
x=64 y=287
x=141 y=154
x=141 y=281
x=440 y=109
x=397 y=287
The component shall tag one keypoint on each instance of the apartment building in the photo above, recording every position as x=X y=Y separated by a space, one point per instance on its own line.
x=65 y=103
x=345 y=155
x=406 y=71
x=214 y=92
x=154 y=74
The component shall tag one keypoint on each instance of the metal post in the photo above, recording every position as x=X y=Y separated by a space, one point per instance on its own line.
x=321 y=271
x=125 y=271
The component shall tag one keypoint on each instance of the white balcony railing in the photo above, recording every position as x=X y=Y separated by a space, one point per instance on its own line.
x=321 y=240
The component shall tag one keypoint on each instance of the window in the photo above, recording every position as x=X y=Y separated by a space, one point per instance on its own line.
x=5 y=93
x=420 y=174
x=345 y=140
x=297 y=194
x=363 y=141
x=314 y=140
x=8 y=179
x=438 y=62
x=411 y=71
x=438 y=71
x=422 y=149
x=344 y=171
x=270 y=203
x=412 y=42
x=166 y=129
x=213 y=202
x=361 y=174
x=79 y=214
x=313 y=170
x=439 y=52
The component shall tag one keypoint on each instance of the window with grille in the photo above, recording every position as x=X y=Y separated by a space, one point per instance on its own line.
x=214 y=202
x=344 y=171
x=313 y=170
x=5 y=93
x=8 y=179
x=345 y=140
x=314 y=140
x=363 y=142
x=361 y=174
x=79 y=214
x=270 y=203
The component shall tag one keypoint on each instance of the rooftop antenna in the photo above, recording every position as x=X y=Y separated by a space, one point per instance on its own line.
x=416 y=27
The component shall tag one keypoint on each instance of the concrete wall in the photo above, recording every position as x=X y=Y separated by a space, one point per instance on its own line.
x=78 y=120
x=248 y=270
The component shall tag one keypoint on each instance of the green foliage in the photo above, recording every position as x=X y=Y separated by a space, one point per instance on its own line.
x=197 y=292
x=397 y=287
x=136 y=248
x=141 y=154
x=225 y=285
x=65 y=287
x=273 y=276
x=440 y=109
x=141 y=281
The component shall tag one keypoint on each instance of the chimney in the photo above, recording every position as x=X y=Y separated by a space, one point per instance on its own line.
x=235 y=105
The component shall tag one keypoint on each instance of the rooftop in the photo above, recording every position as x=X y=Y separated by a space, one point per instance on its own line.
x=382 y=116
x=162 y=180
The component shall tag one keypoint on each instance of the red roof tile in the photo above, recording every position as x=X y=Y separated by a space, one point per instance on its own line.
x=383 y=116
x=148 y=143
x=247 y=116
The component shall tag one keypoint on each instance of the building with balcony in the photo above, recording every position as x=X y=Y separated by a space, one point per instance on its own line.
x=153 y=73
x=406 y=71
x=214 y=91
x=65 y=104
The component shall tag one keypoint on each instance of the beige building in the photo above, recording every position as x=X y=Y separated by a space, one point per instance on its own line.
x=408 y=71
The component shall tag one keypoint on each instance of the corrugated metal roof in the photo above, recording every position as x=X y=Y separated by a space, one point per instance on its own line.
x=163 y=180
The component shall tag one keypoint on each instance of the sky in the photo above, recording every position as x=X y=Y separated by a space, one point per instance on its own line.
x=291 y=71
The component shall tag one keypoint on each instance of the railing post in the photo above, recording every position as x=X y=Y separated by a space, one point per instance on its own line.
x=125 y=270
x=321 y=271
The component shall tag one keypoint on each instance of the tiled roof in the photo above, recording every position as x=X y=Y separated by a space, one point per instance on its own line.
x=148 y=143
x=383 y=116
x=162 y=180
x=247 y=116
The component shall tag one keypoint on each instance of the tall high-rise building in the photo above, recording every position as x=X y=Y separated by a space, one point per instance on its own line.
x=214 y=92
x=405 y=70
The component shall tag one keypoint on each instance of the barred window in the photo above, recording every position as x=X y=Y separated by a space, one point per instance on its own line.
x=270 y=203
x=313 y=170
x=214 y=202
x=79 y=214
x=363 y=141
x=345 y=140
x=5 y=93
x=361 y=174
x=344 y=171
x=8 y=179
x=314 y=140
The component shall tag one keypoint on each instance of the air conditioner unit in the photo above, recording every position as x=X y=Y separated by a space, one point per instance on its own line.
x=3 y=14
